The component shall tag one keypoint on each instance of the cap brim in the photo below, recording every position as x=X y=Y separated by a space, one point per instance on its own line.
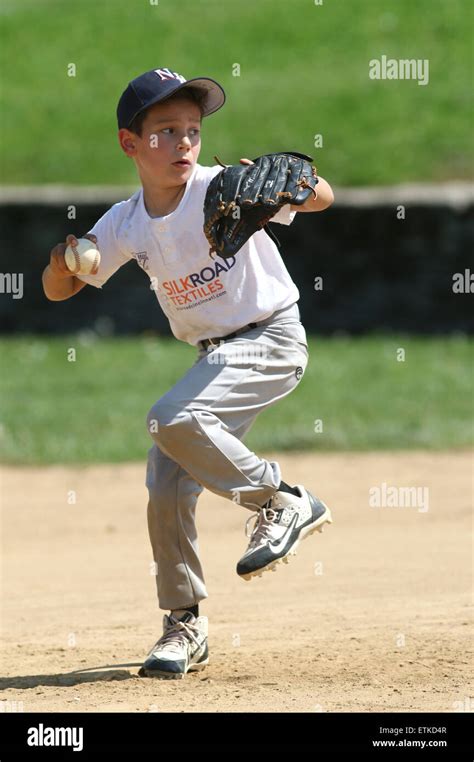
x=215 y=94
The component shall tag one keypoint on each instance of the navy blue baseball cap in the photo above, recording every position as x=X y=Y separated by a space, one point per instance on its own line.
x=156 y=85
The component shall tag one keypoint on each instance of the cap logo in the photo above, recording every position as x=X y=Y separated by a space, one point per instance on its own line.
x=167 y=74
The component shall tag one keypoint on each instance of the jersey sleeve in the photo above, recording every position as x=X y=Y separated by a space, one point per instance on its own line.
x=111 y=254
x=284 y=216
x=204 y=175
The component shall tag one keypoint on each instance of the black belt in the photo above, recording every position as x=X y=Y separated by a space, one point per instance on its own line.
x=205 y=343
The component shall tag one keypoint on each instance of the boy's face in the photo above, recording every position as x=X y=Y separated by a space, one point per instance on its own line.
x=171 y=131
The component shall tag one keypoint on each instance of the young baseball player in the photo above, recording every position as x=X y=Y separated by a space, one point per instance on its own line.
x=242 y=316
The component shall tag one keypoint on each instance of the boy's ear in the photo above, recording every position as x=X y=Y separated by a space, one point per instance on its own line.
x=127 y=142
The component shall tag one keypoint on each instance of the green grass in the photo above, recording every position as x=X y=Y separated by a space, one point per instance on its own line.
x=94 y=409
x=303 y=71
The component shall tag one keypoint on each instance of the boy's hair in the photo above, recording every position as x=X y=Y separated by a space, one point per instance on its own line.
x=189 y=93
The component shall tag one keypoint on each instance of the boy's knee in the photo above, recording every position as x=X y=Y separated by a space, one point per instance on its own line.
x=157 y=416
x=165 y=424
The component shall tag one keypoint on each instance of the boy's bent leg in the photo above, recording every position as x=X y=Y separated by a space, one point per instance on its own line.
x=195 y=422
x=173 y=495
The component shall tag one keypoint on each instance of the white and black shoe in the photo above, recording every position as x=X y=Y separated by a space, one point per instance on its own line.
x=182 y=648
x=280 y=525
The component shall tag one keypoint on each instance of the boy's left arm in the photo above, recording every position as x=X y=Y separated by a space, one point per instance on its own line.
x=325 y=198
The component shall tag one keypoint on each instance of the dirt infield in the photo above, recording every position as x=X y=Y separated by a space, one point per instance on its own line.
x=372 y=615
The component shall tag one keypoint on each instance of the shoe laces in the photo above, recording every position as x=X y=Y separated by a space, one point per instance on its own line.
x=264 y=519
x=177 y=632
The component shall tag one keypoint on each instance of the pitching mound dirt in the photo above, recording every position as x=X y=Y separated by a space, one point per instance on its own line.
x=372 y=615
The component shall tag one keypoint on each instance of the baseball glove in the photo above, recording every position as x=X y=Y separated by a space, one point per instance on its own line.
x=241 y=199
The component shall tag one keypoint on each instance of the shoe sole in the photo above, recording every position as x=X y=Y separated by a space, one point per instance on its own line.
x=163 y=675
x=316 y=526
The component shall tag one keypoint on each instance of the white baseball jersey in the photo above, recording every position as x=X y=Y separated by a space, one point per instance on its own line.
x=201 y=297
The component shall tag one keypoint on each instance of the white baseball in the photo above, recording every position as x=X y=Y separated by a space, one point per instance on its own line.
x=83 y=259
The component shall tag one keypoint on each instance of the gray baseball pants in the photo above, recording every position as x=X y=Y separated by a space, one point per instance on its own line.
x=197 y=428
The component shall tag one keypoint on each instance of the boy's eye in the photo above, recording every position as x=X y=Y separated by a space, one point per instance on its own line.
x=172 y=129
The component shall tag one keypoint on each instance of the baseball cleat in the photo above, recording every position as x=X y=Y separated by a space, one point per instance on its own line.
x=280 y=525
x=182 y=648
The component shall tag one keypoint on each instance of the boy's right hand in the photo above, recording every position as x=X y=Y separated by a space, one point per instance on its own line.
x=57 y=262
